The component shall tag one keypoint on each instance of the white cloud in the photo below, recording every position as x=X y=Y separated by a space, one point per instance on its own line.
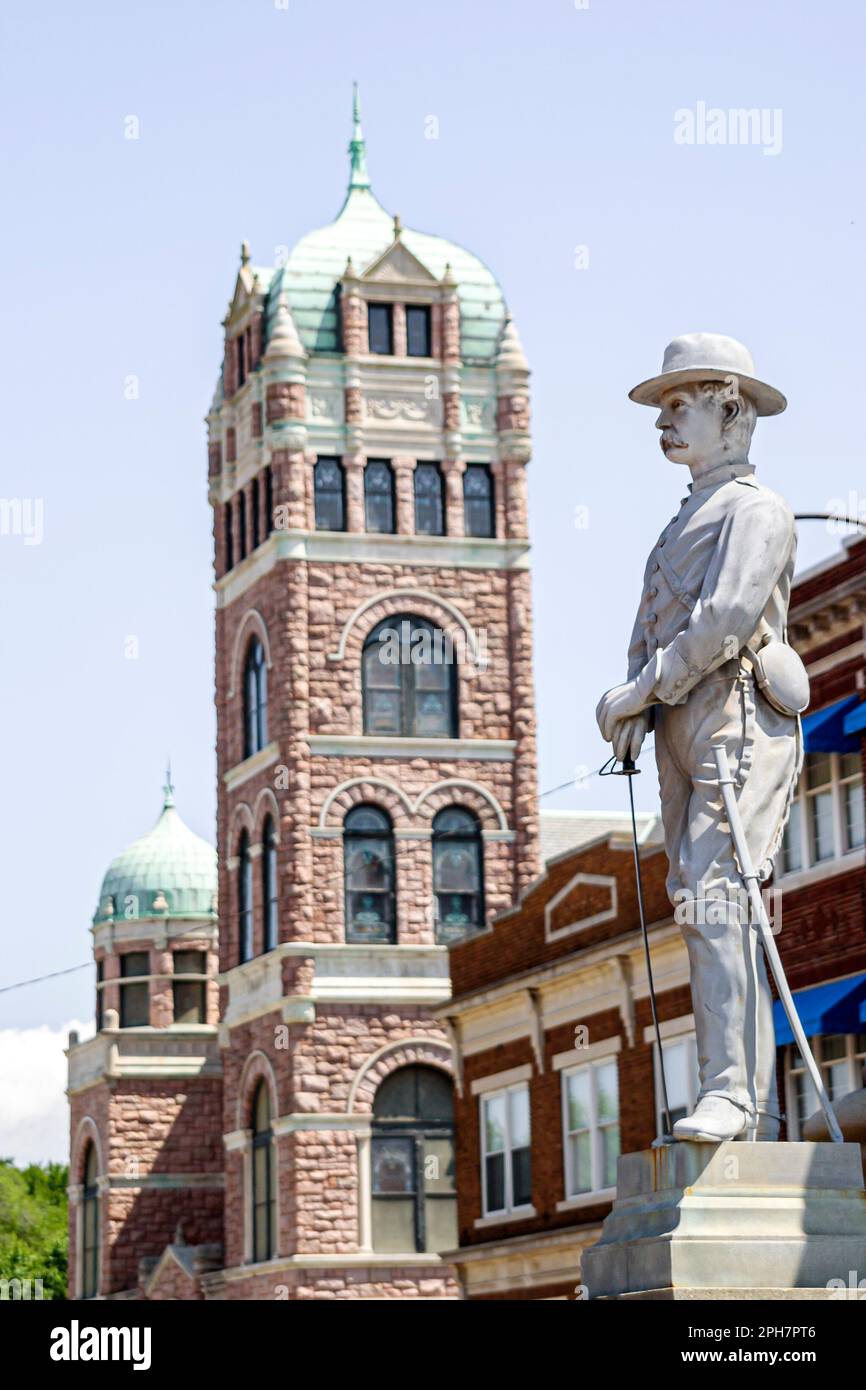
x=34 y=1112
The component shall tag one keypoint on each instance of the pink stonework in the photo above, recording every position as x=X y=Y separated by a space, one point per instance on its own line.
x=315 y=1027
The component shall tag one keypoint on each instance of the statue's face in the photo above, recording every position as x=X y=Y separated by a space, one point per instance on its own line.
x=691 y=426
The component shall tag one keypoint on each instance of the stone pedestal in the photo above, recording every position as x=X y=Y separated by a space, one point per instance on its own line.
x=733 y=1221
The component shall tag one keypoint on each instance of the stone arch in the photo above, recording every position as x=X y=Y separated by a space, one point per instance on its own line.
x=457 y=791
x=266 y=804
x=242 y=818
x=251 y=623
x=392 y=602
x=405 y=1052
x=255 y=1068
x=87 y=1130
x=378 y=791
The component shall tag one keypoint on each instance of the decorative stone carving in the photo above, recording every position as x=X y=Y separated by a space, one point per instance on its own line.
x=410 y=408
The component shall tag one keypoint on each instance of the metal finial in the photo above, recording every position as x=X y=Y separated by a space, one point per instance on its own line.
x=168 y=789
x=358 y=176
x=398 y=226
x=245 y=253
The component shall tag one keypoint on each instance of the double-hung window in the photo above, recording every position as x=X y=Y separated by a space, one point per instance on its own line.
x=506 y=1174
x=827 y=815
x=590 y=1102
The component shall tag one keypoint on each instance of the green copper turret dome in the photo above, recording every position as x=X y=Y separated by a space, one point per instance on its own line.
x=170 y=872
x=362 y=231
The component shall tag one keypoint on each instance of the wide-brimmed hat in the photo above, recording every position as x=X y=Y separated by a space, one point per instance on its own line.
x=709 y=357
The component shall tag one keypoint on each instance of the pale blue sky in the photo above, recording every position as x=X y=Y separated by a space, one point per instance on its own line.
x=555 y=131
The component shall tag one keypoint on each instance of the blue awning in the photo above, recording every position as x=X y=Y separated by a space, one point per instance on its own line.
x=855 y=720
x=839 y=1007
x=825 y=732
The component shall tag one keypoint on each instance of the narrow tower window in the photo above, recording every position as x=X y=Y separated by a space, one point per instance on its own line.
x=263 y=1193
x=330 y=495
x=458 y=874
x=478 y=509
x=379 y=496
x=418 y=330
x=429 y=506
x=380 y=329
x=134 y=995
x=90 y=1231
x=245 y=899
x=270 y=896
x=368 y=855
x=255 y=699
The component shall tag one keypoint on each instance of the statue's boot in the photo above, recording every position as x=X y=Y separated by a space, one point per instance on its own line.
x=715 y=1118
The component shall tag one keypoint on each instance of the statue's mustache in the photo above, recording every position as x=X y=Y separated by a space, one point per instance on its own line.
x=672 y=441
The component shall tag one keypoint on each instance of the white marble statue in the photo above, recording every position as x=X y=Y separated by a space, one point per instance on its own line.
x=708 y=658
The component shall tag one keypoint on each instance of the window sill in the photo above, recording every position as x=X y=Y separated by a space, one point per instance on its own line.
x=371 y=746
x=502 y=1218
x=827 y=868
x=587 y=1199
x=256 y=763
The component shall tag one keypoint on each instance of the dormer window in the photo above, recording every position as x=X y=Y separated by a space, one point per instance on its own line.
x=418 y=330
x=380 y=329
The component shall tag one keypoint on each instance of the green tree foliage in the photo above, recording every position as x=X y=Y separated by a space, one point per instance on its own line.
x=33 y=1230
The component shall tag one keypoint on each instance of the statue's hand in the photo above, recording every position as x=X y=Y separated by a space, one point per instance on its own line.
x=629 y=735
x=622 y=702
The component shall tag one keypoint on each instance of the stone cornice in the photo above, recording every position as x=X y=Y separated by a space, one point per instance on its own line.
x=437 y=749
x=342 y=973
x=361 y=547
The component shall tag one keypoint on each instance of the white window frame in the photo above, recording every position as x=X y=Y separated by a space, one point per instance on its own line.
x=572 y=1193
x=509 y=1209
x=836 y=785
x=794 y=1067
x=688 y=1038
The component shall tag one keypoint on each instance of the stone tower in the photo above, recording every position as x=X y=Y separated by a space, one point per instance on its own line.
x=146 y=1162
x=376 y=738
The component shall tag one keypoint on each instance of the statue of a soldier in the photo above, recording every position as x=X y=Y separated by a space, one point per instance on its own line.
x=709 y=660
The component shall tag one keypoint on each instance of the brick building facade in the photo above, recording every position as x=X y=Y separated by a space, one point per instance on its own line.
x=557 y=1066
x=377 y=798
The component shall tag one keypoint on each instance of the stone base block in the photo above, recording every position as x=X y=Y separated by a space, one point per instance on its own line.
x=733 y=1220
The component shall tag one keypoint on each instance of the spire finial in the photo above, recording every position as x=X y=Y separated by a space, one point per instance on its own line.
x=245 y=253
x=358 y=176
x=168 y=788
x=398 y=227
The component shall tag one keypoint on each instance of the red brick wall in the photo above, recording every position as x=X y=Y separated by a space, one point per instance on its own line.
x=517 y=942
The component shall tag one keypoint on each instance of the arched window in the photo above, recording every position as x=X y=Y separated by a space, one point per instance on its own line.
x=478 y=511
x=90 y=1226
x=414 y=1196
x=368 y=858
x=269 y=883
x=263 y=1188
x=410 y=680
x=458 y=873
x=255 y=699
x=245 y=899
x=429 y=501
x=330 y=495
x=379 y=496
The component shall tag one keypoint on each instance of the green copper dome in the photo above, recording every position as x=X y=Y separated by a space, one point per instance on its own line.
x=170 y=872
x=362 y=231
